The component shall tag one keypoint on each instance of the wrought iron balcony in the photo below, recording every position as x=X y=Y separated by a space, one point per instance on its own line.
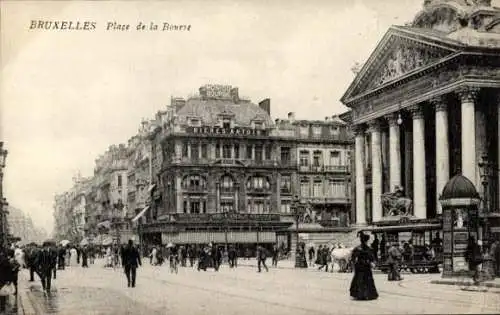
x=224 y=217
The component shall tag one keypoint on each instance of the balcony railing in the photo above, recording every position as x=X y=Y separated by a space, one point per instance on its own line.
x=328 y=199
x=324 y=168
x=236 y=162
x=195 y=189
x=223 y=217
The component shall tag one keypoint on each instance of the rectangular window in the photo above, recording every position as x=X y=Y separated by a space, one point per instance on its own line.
x=286 y=184
x=226 y=151
x=195 y=151
x=204 y=151
x=334 y=158
x=119 y=181
x=336 y=189
x=304 y=158
x=226 y=123
x=317 y=158
x=195 y=207
x=268 y=152
x=227 y=206
x=285 y=207
x=285 y=154
x=317 y=188
x=204 y=206
x=236 y=151
x=258 y=153
x=249 y=152
x=304 y=188
x=258 y=125
x=185 y=149
x=217 y=151
x=185 y=206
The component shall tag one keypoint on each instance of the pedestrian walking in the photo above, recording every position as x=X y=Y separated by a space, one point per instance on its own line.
x=393 y=259
x=84 y=252
x=375 y=245
x=130 y=261
x=44 y=264
x=275 y=255
x=473 y=257
x=363 y=285
x=311 y=253
x=261 y=258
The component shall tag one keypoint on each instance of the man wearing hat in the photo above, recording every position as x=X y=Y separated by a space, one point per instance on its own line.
x=394 y=257
x=130 y=261
x=44 y=263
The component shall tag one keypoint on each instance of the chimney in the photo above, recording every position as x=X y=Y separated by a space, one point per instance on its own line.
x=277 y=121
x=235 y=95
x=203 y=92
x=327 y=118
x=291 y=116
x=266 y=105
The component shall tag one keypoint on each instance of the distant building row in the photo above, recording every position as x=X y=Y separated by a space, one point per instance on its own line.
x=215 y=167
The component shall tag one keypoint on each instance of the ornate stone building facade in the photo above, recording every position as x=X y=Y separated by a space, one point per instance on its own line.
x=420 y=105
x=229 y=172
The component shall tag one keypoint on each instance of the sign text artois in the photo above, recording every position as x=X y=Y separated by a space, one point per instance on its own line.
x=226 y=131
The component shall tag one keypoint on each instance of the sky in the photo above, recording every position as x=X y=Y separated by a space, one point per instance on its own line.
x=67 y=95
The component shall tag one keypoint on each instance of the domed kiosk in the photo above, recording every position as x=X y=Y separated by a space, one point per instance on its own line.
x=460 y=201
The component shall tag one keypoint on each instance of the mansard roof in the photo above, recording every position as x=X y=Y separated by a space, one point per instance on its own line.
x=210 y=111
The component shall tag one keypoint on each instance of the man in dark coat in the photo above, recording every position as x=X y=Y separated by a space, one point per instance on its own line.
x=261 y=258
x=44 y=263
x=31 y=254
x=375 y=246
x=130 y=261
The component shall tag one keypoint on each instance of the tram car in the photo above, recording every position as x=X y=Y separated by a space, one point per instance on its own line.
x=420 y=245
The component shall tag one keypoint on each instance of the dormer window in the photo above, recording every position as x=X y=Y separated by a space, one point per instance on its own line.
x=257 y=125
x=226 y=123
x=195 y=122
x=334 y=130
x=304 y=131
x=317 y=131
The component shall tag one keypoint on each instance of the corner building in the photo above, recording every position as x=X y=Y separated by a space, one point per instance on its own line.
x=228 y=173
x=425 y=106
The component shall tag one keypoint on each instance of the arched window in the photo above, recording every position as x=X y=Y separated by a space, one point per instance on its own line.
x=227 y=183
x=258 y=183
x=194 y=182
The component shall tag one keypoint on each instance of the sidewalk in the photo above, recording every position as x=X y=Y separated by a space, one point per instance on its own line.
x=467 y=282
x=24 y=304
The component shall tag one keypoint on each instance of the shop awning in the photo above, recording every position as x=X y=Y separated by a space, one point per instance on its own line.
x=140 y=214
x=204 y=237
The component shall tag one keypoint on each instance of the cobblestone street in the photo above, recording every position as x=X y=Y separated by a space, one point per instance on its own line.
x=244 y=291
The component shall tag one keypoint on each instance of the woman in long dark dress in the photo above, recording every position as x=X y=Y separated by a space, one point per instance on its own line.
x=362 y=285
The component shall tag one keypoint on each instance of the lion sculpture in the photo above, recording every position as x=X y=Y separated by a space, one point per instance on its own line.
x=395 y=203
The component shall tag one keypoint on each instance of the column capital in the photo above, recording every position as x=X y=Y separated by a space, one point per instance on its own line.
x=358 y=129
x=439 y=103
x=416 y=111
x=468 y=93
x=374 y=125
x=392 y=119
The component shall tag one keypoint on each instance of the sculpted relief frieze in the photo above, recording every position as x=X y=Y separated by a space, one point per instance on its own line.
x=421 y=86
x=404 y=59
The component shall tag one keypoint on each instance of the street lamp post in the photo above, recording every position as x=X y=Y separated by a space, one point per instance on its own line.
x=3 y=232
x=486 y=166
x=297 y=211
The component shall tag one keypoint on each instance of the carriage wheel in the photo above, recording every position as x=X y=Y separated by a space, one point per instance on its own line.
x=412 y=270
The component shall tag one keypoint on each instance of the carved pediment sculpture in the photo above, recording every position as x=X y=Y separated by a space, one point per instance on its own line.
x=404 y=59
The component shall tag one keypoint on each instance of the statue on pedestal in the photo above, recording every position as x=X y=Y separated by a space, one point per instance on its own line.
x=396 y=203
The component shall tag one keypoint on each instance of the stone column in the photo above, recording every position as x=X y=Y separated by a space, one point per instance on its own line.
x=359 y=156
x=376 y=170
x=419 y=180
x=442 y=148
x=469 y=162
x=394 y=152
x=498 y=153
